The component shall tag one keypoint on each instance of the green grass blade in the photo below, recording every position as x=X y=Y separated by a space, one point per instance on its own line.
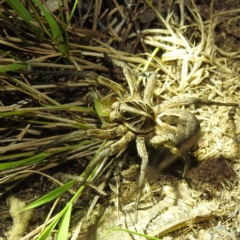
x=73 y=11
x=49 y=229
x=39 y=157
x=64 y=224
x=13 y=67
x=64 y=30
x=23 y=13
x=54 y=28
x=50 y=196
x=52 y=225
x=27 y=161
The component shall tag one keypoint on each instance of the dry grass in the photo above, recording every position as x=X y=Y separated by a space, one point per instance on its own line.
x=178 y=43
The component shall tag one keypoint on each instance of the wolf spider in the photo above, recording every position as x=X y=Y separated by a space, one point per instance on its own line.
x=135 y=116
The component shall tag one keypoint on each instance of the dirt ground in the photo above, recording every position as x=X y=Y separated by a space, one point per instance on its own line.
x=205 y=205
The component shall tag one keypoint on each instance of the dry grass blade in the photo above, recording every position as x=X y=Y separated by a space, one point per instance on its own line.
x=57 y=77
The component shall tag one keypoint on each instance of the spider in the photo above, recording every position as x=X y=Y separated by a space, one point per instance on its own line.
x=134 y=116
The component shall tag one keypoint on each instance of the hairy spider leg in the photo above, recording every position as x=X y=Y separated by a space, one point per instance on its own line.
x=80 y=134
x=142 y=151
x=141 y=146
x=108 y=151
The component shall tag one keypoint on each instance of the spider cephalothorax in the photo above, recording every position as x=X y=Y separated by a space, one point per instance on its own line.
x=134 y=116
x=137 y=115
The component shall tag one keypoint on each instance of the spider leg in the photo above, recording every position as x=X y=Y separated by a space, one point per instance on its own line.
x=149 y=88
x=129 y=75
x=115 y=148
x=187 y=164
x=188 y=101
x=115 y=87
x=142 y=151
x=80 y=134
x=170 y=158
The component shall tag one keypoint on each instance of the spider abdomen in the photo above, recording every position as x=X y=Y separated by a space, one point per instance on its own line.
x=179 y=126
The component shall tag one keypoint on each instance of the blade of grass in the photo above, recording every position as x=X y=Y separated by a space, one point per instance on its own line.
x=52 y=225
x=29 y=90
x=72 y=12
x=71 y=108
x=67 y=44
x=22 y=12
x=56 y=34
x=19 y=163
x=38 y=157
x=50 y=196
x=64 y=224
x=13 y=67
x=14 y=57
x=13 y=156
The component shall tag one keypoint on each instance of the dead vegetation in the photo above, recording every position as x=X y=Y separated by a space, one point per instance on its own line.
x=192 y=45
